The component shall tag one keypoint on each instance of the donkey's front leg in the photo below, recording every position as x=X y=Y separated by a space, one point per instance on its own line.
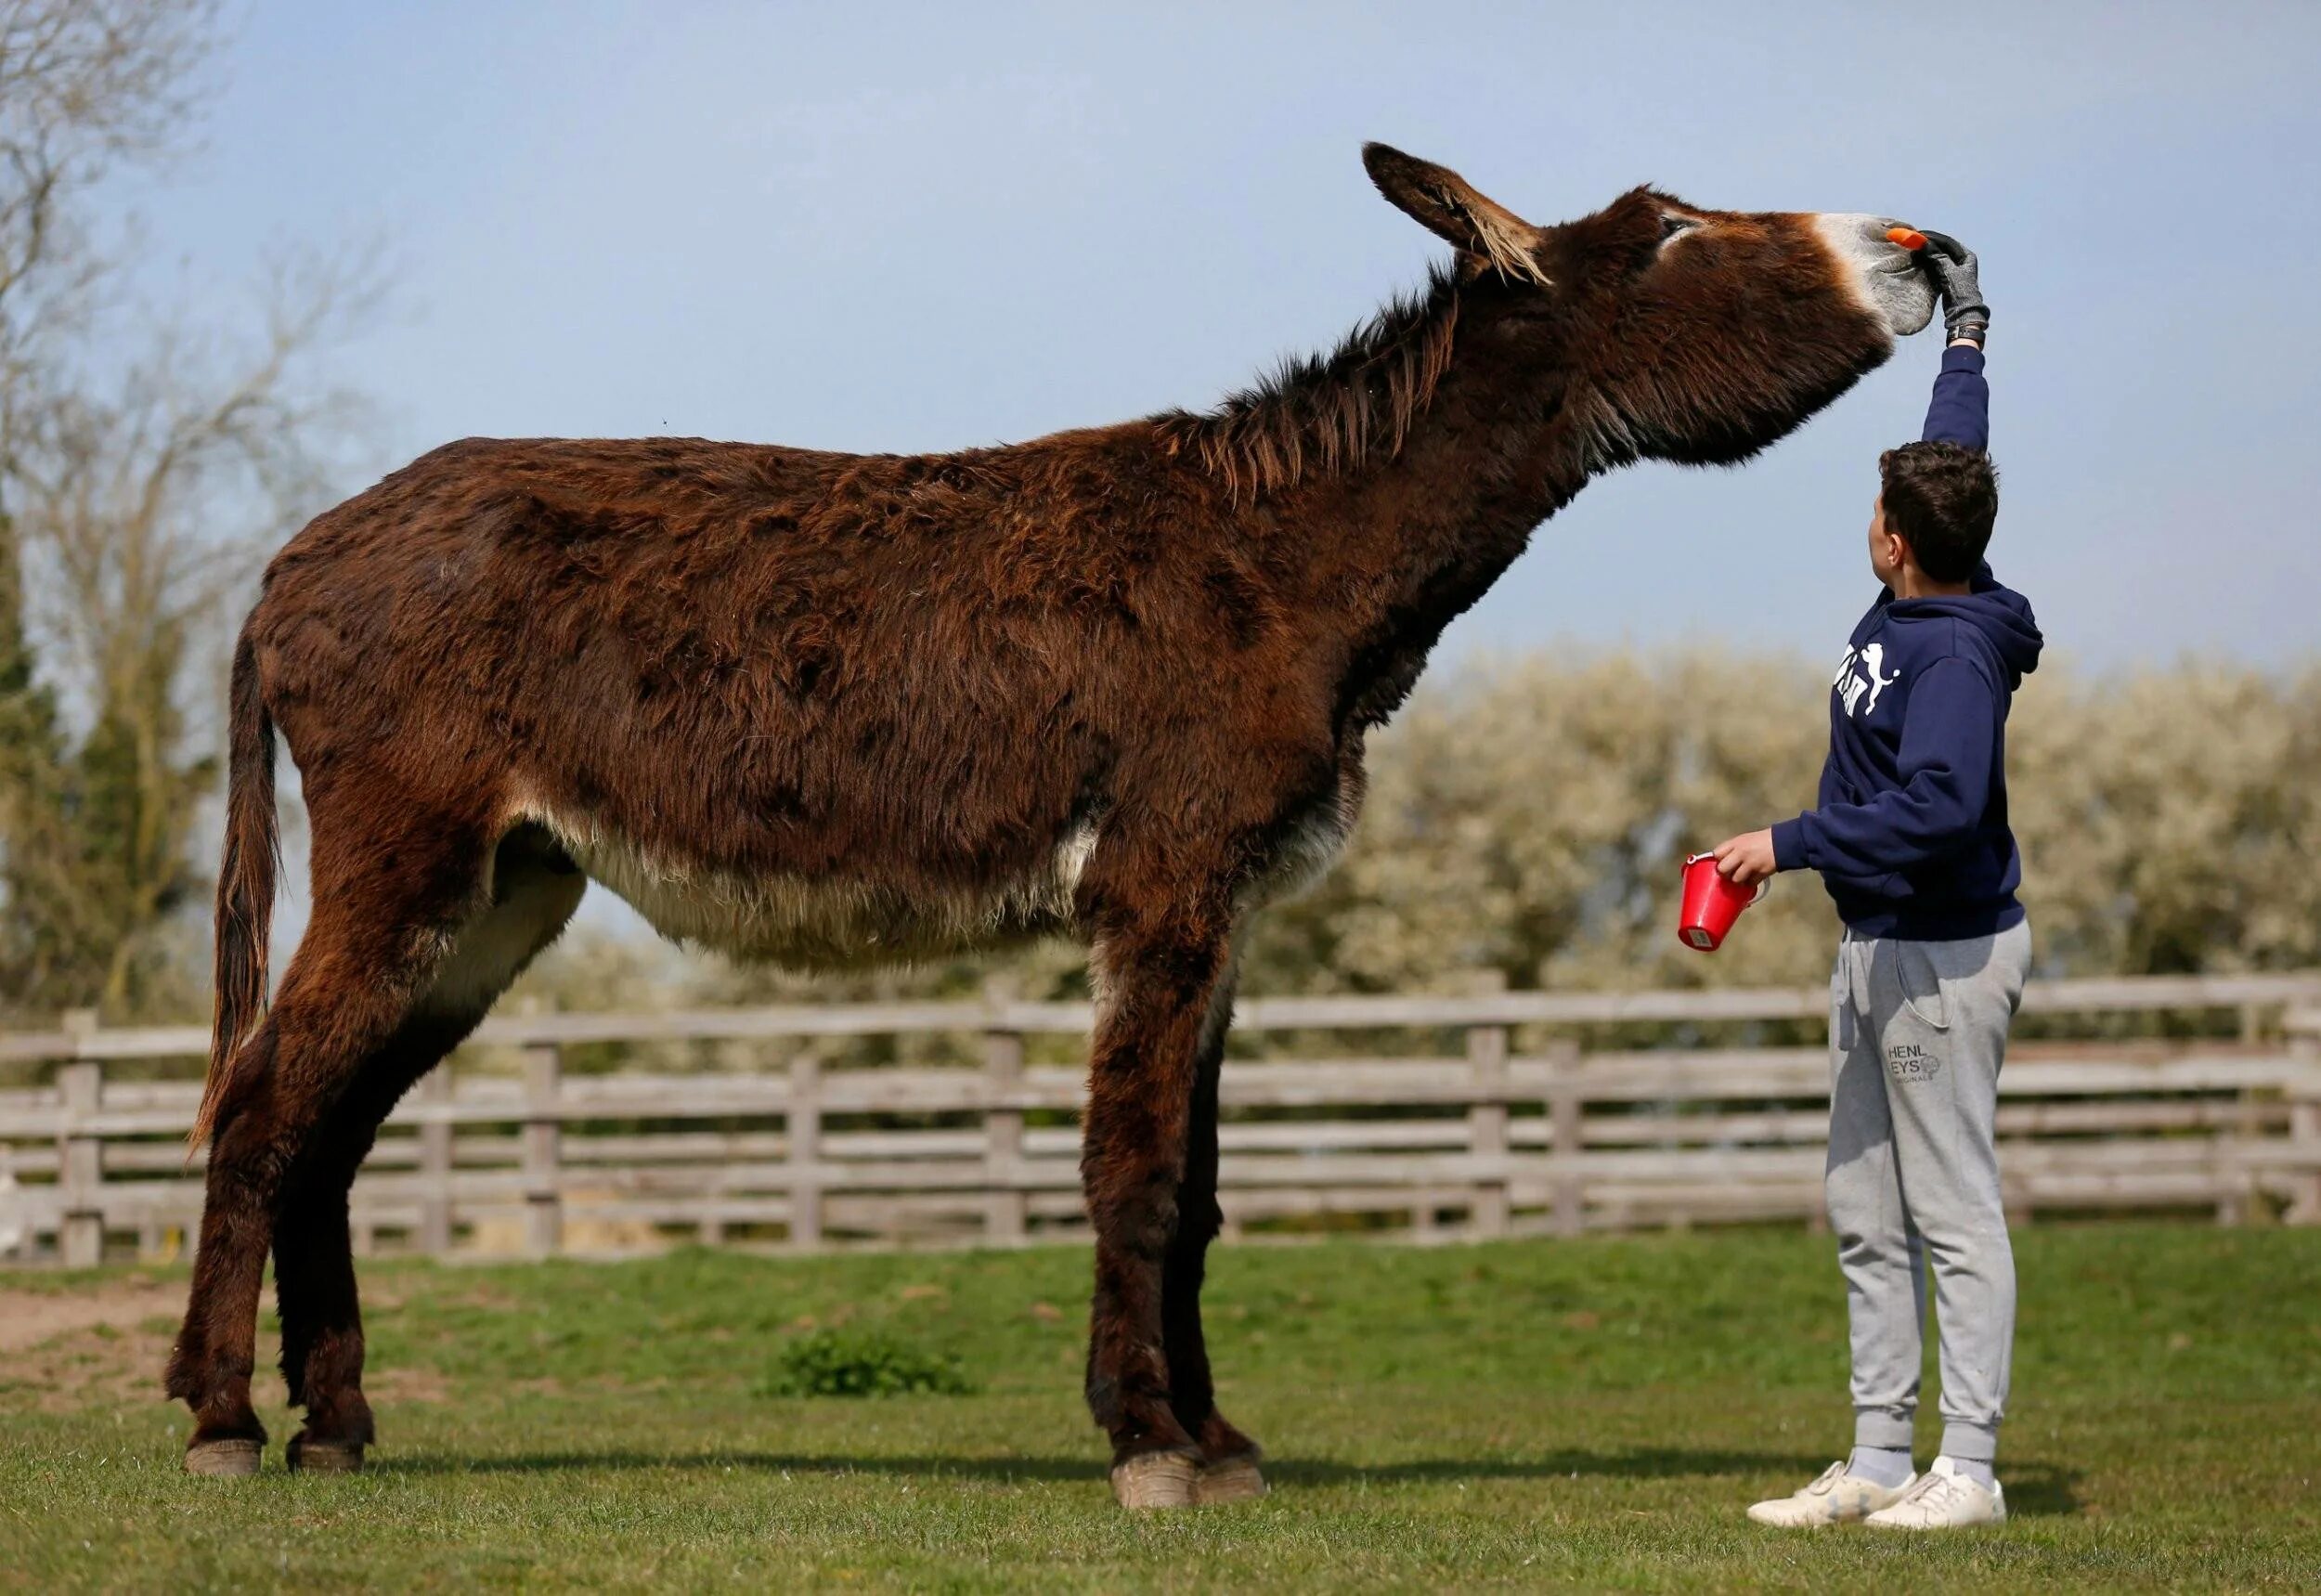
x=1228 y=1459
x=1156 y=985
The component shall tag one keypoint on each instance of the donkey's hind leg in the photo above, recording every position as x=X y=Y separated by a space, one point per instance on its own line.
x=314 y=1264
x=381 y=905
x=534 y=890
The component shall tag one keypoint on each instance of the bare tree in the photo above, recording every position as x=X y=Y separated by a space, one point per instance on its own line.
x=84 y=86
x=133 y=493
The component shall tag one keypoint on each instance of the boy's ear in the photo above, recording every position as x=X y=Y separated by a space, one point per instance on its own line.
x=1899 y=547
x=1446 y=205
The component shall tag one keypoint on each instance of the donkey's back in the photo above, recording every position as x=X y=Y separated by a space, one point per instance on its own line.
x=754 y=690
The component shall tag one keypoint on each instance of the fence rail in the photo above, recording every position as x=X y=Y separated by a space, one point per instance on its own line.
x=1484 y=1140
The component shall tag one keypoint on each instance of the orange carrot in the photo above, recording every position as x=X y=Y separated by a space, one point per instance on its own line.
x=1909 y=237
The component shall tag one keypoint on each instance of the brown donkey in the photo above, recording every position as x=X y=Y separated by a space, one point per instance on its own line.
x=823 y=707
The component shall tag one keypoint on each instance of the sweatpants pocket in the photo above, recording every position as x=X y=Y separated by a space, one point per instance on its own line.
x=1921 y=983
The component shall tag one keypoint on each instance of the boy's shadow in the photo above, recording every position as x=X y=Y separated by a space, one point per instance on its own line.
x=2040 y=1490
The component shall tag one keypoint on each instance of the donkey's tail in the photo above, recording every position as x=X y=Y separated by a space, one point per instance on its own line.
x=245 y=891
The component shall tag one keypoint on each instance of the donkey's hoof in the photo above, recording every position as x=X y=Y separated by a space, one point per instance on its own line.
x=231 y=1459
x=307 y=1457
x=1229 y=1480
x=1155 y=1480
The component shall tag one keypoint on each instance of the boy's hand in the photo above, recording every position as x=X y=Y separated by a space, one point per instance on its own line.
x=1955 y=267
x=1747 y=859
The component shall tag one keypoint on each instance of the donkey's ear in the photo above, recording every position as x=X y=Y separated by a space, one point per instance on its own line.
x=1442 y=201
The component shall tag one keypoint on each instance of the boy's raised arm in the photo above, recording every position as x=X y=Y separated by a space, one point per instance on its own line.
x=1960 y=413
x=1960 y=410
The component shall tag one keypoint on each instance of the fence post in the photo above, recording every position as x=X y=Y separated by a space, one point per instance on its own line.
x=1004 y=1207
x=79 y=1155
x=2304 y=1129
x=1423 y=1226
x=804 y=1121
x=1565 y=1138
x=434 y=1163
x=2242 y=1202
x=543 y=1148
x=1486 y=1117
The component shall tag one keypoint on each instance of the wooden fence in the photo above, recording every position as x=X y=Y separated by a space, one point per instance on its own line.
x=1522 y=1130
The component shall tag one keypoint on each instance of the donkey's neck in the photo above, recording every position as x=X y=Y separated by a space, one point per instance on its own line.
x=1399 y=541
x=1497 y=452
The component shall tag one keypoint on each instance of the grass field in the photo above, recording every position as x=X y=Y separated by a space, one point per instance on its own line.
x=1522 y=1414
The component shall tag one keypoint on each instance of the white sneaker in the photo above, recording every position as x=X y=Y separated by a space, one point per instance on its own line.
x=1944 y=1499
x=1836 y=1498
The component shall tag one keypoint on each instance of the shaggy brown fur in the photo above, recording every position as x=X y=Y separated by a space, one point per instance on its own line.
x=1111 y=684
x=1333 y=414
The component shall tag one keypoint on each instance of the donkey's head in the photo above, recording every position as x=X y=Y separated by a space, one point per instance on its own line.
x=1680 y=333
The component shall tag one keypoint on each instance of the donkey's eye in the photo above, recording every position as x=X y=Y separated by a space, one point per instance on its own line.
x=1670 y=226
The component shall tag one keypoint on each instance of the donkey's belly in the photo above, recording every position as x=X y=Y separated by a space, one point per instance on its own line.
x=830 y=921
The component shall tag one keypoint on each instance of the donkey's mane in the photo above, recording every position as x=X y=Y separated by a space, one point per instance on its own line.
x=1318 y=414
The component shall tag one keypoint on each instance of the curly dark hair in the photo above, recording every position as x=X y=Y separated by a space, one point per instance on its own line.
x=1942 y=497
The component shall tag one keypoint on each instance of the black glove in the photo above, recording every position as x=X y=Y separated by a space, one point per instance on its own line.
x=1964 y=313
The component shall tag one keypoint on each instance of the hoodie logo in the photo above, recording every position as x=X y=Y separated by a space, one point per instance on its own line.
x=1862 y=674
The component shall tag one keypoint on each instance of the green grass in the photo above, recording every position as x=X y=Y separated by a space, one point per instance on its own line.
x=1525 y=1414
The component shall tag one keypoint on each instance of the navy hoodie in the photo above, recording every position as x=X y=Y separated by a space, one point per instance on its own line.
x=1910 y=832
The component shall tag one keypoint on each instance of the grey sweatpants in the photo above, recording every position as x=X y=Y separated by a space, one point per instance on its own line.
x=1917 y=1033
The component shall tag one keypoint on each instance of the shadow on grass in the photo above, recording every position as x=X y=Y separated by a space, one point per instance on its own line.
x=2036 y=1488
x=2040 y=1490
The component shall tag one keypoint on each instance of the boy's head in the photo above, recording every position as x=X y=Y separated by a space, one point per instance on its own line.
x=1936 y=502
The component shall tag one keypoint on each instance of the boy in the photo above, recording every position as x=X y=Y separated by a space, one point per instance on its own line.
x=1910 y=838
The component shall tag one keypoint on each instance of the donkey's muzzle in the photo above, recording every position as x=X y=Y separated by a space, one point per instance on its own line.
x=1883 y=273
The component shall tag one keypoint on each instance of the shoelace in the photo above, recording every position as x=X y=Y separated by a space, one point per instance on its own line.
x=1828 y=1482
x=1930 y=1484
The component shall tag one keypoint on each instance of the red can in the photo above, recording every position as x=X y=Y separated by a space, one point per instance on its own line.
x=1711 y=904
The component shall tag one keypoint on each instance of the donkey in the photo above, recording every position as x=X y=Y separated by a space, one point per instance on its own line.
x=830 y=709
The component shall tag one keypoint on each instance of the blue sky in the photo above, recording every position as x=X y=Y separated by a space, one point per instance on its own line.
x=918 y=228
